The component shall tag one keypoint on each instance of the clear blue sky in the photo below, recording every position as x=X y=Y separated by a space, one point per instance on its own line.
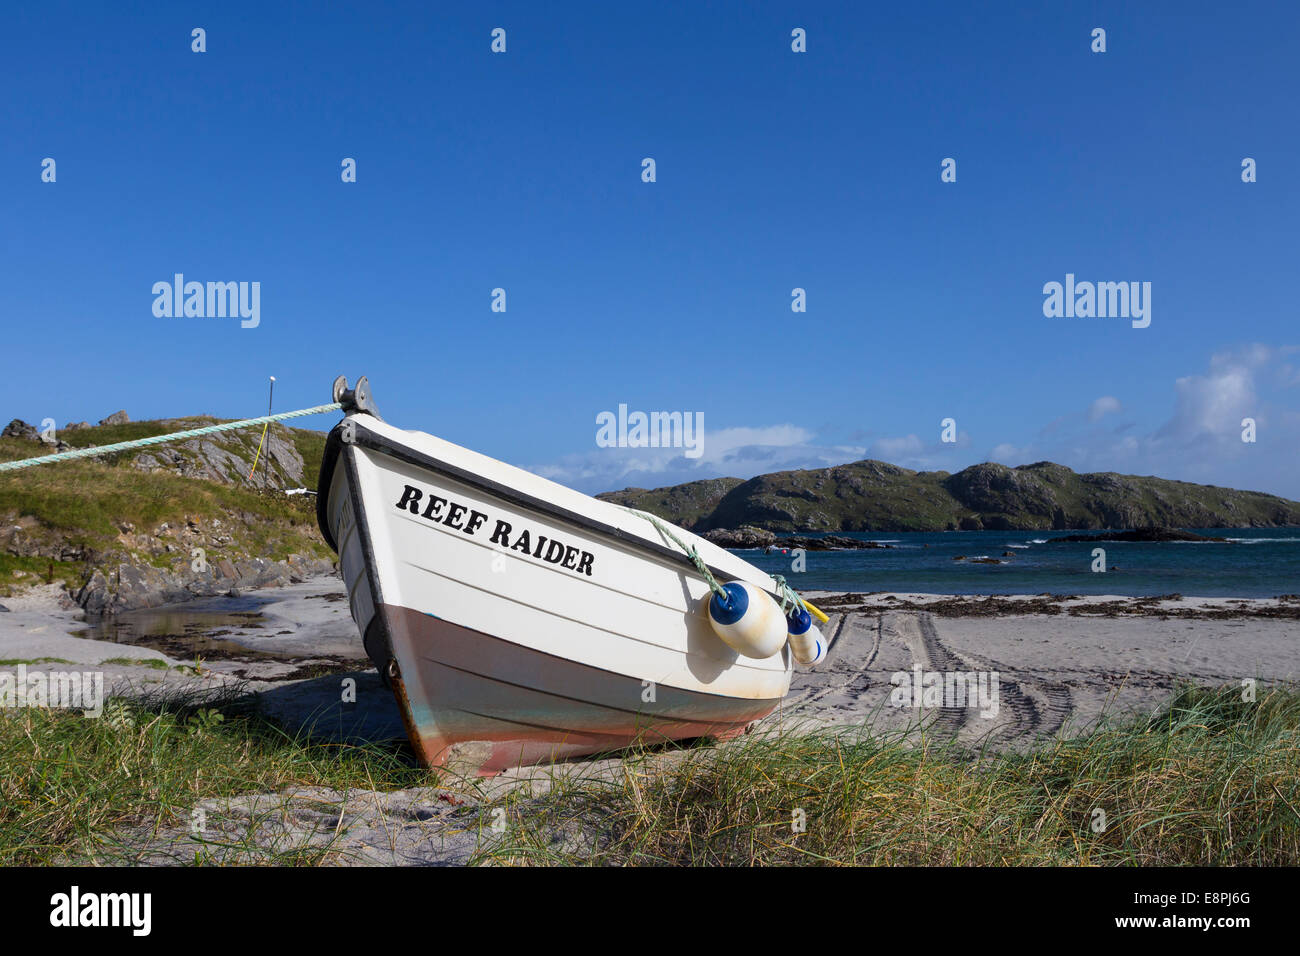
x=775 y=170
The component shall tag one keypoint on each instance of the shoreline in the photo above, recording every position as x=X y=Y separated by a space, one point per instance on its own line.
x=1286 y=606
x=301 y=634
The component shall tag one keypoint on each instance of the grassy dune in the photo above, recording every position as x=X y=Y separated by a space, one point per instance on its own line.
x=1209 y=780
x=68 y=783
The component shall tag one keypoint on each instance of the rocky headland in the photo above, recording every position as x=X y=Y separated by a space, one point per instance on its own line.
x=879 y=497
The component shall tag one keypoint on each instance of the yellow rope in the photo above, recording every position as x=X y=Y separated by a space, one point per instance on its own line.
x=259 y=448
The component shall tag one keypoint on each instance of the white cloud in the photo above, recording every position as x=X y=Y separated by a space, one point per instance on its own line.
x=740 y=452
x=1208 y=407
x=1007 y=454
x=1106 y=405
x=726 y=441
x=1200 y=440
x=893 y=449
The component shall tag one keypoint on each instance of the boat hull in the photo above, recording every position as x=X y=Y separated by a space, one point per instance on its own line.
x=489 y=703
x=519 y=621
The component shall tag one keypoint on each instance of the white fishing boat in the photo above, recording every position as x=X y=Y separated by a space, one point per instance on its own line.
x=519 y=621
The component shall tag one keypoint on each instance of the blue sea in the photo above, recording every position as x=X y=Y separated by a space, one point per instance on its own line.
x=1254 y=562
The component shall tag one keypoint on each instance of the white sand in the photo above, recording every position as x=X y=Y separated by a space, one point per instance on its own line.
x=1055 y=672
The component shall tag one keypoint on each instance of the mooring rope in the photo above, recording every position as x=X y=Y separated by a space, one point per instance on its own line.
x=159 y=439
x=667 y=534
x=789 y=596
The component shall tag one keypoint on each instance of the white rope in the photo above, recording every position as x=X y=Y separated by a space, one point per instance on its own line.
x=159 y=439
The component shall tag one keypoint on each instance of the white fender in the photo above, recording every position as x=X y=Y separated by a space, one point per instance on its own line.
x=809 y=647
x=749 y=622
x=806 y=641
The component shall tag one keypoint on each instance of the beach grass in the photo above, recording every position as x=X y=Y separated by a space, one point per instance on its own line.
x=71 y=786
x=1210 y=779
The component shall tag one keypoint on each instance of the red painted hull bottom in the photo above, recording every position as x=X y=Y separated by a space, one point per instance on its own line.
x=481 y=704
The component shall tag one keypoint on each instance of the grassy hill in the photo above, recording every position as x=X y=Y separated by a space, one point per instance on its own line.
x=152 y=507
x=689 y=504
x=876 y=496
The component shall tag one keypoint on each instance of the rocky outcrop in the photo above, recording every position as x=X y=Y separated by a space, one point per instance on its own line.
x=749 y=538
x=130 y=587
x=225 y=457
x=228 y=458
x=740 y=538
x=94 y=595
x=20 y=429
x=1003 y=497
x=828 y=542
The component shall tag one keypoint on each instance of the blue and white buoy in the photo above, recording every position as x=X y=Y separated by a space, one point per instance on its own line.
x=747 y=620
x=805 y=638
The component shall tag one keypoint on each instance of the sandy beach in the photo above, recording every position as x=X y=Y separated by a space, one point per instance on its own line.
x=1061 y=664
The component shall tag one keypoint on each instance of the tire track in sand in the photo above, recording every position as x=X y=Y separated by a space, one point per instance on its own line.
x=916 y=632
x=1027 y=708
x=850 y=681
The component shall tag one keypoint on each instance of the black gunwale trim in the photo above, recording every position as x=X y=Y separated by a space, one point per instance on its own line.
x=363 y=532
x=368 y=439
x=328 y=460
x=334 y=447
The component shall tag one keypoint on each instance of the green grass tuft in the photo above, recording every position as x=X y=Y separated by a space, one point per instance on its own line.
x=150 y=662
